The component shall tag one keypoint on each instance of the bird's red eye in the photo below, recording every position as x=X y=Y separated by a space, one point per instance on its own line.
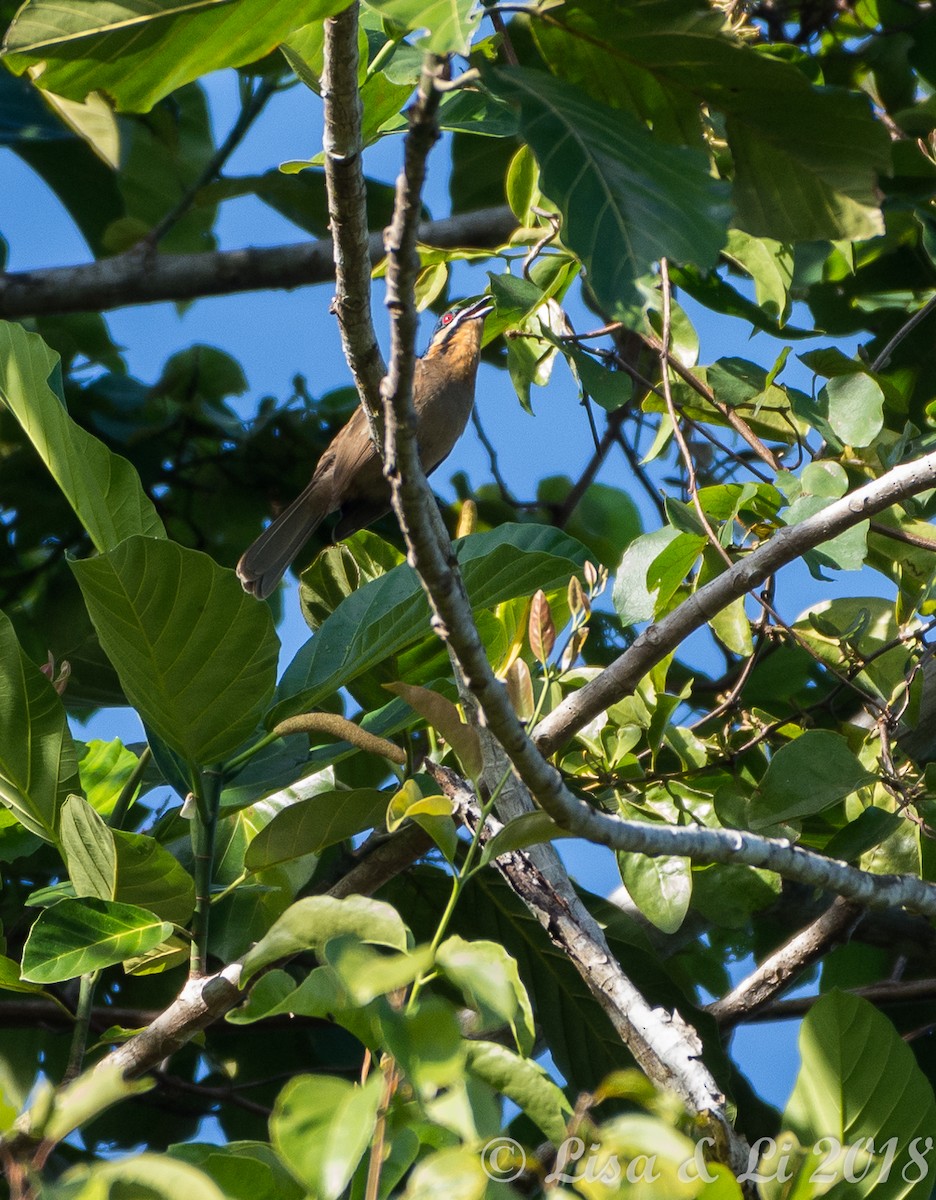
x=448 y=318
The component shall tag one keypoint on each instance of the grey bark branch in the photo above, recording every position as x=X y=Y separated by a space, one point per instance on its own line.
x=664 y=1045
x=785 y=546
x=141 y=278
x=347 y=211
x=781 y=968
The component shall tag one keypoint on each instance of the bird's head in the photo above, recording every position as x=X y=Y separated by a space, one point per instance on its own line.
x=460 y=327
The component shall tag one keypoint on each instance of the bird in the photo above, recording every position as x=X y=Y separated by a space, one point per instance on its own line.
x=349 y=478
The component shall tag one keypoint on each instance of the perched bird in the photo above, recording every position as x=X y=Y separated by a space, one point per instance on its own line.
x=349 y=475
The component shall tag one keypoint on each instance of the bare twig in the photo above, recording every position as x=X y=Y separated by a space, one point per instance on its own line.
x=908 y=326
x=782 y=967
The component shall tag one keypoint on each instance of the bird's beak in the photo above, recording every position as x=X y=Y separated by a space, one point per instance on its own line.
x=478 y=310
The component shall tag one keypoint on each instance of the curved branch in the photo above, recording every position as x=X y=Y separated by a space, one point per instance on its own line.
x=138 y=277
x=785 y=546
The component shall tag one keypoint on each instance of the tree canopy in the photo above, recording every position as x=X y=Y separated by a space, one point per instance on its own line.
x=315 y=936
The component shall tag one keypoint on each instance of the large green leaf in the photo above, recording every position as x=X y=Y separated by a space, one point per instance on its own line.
x=75 y=937
x=524 y=1082
x=38 y=763
x=138 y=51
x=806 y=159
x=859 y=1079
x=626 y=198
x=195 y=655
x=311 y=825
x=155 y=1176
x=103 y=488
x=449 y=24
x=384 y=616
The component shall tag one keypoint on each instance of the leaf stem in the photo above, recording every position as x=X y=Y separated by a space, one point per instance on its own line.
x=79 y=1041
x=204 y=823
x=129 y=789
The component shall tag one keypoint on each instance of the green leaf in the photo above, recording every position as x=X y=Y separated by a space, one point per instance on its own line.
x=384 y=616
x=340 y=570
x=770 y=264
x=529 y=829
x=153 y=1176
x=805 y=776
x=38 y=763
x=75 y=937
x=859 y=1079
x=244 y=1170
x=105 y=768
x=660 y=887
x=455 y=1173
x=854 y=408
x=626 y=198
x=88 y=846
x=148 y=875
x=365 y=973
x=321 y=1127
x=806 y=159
x=138 y=51
x=310 y=923
x=525 y=1083
x=195 y=655
x=445 y=718
x=733 y=629
x=869 y=829
x=488 y=979
x=309 y=826
x=632 y=597
x=427 y=1043
x=449 y=24
x=103 y=488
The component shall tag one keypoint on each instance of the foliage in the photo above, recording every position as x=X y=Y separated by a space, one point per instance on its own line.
x=438 y=1037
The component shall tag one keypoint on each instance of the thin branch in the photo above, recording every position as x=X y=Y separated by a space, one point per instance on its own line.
x=782 y=967
x=912 y=991
x=785 y=546
x=139 y=278
x=908 y=326
x=347 y=211
x=251 y=108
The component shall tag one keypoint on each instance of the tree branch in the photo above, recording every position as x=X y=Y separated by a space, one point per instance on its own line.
x=138 y=277
x=779 y=969
x=347 y=211
x=664 y=1045
x=785 y=546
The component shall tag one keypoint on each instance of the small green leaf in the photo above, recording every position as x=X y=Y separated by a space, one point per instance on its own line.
x=88 y=846
x=310 y=923
x=660 y=887
x=525 y=1083
x=76 y=937
x=632 y=596
x=805 y=776
x=321 y=1127
x=449 y=24
x=148 y=875
x=490 y=982
x=854 y=405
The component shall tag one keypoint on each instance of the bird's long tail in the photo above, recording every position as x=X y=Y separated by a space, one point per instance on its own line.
x=265 y=561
